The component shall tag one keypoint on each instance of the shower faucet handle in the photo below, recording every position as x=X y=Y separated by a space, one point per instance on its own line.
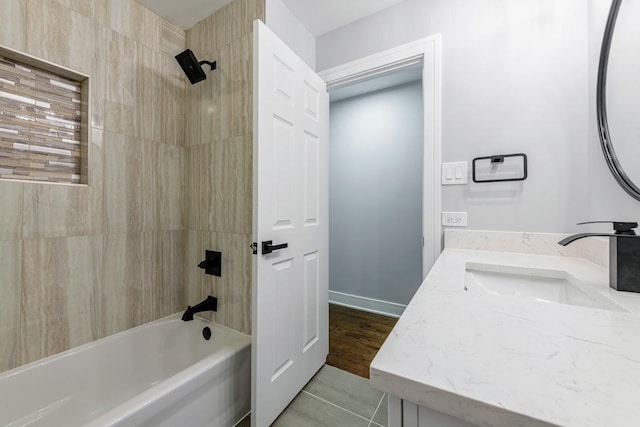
x=212 y=263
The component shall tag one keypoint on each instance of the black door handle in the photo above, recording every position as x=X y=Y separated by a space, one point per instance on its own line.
x=268 y=247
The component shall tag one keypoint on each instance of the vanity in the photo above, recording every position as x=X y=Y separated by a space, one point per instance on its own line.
x=512 y=329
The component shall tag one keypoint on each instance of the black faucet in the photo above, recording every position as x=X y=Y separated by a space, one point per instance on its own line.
x=210 y=304
x=624 y=254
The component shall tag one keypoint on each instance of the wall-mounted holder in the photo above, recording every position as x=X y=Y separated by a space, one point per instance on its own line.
x=212 y=263
x=500 y=168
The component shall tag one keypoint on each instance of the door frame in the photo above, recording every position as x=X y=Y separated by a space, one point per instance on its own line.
x=426 y=51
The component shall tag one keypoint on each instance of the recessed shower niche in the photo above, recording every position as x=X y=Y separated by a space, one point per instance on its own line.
x=43 y=121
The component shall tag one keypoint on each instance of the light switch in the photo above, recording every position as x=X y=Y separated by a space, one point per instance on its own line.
x=454 y=173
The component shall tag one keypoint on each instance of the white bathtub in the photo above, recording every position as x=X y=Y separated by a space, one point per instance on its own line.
x=163 y=373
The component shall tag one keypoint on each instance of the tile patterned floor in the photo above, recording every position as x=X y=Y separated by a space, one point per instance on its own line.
x=334 y=398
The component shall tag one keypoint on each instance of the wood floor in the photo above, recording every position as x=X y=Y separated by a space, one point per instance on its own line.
x=355 y=337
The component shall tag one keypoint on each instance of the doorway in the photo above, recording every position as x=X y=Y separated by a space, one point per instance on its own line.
x=375 y=212
x=424 y=54
x=375 y=192
x=384 y=190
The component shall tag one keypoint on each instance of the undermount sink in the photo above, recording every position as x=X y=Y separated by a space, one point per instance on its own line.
x=553 y=286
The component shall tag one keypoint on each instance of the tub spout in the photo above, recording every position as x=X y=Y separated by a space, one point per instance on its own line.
x=210 y=304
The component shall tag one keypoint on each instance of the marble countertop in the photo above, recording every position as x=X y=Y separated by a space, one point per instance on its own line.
x=513 y=361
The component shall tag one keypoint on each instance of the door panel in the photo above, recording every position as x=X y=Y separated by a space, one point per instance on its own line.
x=311 y=179
x=311 y=101
x=284 y=80
x=311 y=296
x=290 y=339
x=284 y=345
x=284 y=172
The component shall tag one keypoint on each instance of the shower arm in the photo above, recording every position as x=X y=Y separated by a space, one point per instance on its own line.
x=210 y=64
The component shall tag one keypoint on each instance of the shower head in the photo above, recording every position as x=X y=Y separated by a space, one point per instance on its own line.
x=191 y=67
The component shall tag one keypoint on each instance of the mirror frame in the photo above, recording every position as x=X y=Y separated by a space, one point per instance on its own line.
x=603 y=124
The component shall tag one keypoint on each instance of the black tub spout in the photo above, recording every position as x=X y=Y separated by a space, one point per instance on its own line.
x=210 y=304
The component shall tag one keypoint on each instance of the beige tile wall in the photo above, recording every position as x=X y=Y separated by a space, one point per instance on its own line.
x=218 y=161
x=170 y=176
x=10 y=279
x=78 y=263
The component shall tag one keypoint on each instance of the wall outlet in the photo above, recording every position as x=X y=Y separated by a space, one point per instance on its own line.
x=454 y=219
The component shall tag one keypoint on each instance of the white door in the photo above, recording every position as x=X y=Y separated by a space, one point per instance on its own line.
x=291 y=178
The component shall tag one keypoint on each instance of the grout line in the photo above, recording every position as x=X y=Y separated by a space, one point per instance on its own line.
x=337 y=406
x=377 y=408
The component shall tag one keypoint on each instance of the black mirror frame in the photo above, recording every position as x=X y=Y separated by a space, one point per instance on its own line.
x=603 y=124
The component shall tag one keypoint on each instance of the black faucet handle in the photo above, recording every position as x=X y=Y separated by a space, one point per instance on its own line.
x=620 y=227
x=212 y=264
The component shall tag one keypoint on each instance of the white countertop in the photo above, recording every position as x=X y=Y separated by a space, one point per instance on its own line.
x=512 y=361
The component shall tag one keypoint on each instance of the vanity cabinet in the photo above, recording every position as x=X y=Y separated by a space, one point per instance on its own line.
x=505 y=360
x=403 y=413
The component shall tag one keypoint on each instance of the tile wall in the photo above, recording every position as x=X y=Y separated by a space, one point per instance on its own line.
x=218 y=161
x=80 y=263
x=170 y=173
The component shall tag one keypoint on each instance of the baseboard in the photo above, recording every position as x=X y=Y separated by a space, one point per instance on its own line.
x=367 y=304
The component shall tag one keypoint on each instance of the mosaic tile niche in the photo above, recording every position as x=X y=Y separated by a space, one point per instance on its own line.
x=41 y=129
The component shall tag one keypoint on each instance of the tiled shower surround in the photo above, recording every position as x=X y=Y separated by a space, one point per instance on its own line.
x=78 y=263
x=219 y=161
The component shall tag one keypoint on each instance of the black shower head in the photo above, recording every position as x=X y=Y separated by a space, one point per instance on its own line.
x=191 y=67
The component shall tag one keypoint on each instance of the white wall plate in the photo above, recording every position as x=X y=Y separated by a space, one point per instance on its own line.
x=454 y=173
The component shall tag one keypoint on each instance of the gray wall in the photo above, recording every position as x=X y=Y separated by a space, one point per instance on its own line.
x=375 y=198
x=515 y=76
x=291 y=31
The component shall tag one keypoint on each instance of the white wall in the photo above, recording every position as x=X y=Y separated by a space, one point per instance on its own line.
x=515 y=76
x=375 y=212
x=607 y=200
x=290 y=30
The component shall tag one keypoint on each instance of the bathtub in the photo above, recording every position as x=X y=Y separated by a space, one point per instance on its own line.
x=163 y=373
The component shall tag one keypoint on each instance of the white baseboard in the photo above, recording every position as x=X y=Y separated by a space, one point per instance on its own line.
x=367 y=304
